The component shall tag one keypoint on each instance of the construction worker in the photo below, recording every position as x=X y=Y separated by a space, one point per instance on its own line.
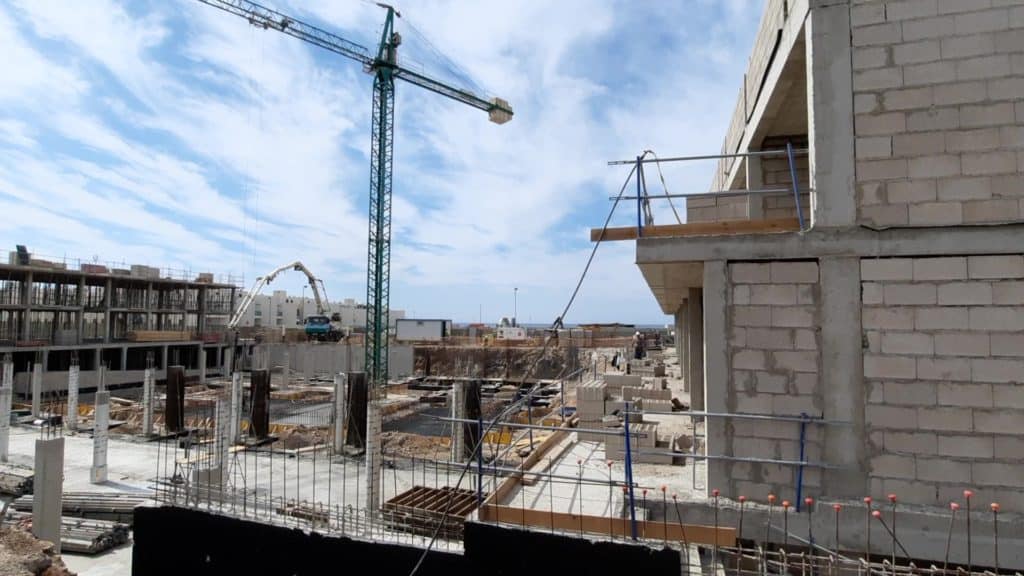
x=638 y=345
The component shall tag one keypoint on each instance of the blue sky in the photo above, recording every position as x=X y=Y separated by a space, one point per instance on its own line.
x=176 y=135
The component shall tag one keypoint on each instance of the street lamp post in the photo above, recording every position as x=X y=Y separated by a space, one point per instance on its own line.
x=515 y=305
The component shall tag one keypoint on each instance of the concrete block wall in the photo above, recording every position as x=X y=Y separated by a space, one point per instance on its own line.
x=590 y=406
x=716 y=209
x=939 y=120
x=773 y=328
x=944 y=377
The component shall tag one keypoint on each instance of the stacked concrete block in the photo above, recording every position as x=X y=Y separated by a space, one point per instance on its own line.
x=643 y=445
x=774 y=333
x=632 y=393
x=615 y=382
x=938 y=123
x=590 y=406
x=943 y=365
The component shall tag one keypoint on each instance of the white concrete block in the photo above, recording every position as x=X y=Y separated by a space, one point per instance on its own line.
x=806 y=383
x=910 y=442
x=912 y=191
x=967 y=46
x=940 y=318
x=909 y=9
x=1009 y=447
x=977 y=188
x=879 y=78
x=940 y=72
x=996 y=210
x=998 y=474
x=997 y=319
x=749 y=360
x=865 y=103
x=982 y=115
x=943 y=369
x=741 y=295
x=797 y=361
x=870 y=57
x=889 y=318
x=918 y=29
x=767 y=382
x=752 y=316
x=880 y=124
x=893 y=466
x=1005 y=88
x=996 y=421
x=907 y=99
x=933 y=118
x=958 y=93
x=881 y=169
x=972 y=140
x=956 y=6
x=773 y=294
x=882 y=34
x=880 y=416
x=909 y=393
x=1007 y=345
x=885 y=269
x=793 y=316
x=981 y=21
x=907 y=343
x=963 y=395
x=916 y=52
x=750 y=273
x=1008 y=396
x=945 y=419
x=940 y=166
x=769 y=339
x=794 y=272
x=951 y=268
x=871 y=293
x=942 y=470
x=865 y=14
x=889 y=367
x=989 y=163
x=936 y=214
x=909 y=294
x=983 y=67
x=965 y=293
x=894 y=215
x=962 y=344
x=997 y=370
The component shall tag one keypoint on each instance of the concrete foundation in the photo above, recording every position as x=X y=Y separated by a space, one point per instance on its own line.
x=48 y=488
x=98 y=474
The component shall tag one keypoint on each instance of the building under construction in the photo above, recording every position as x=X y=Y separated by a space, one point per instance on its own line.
x=843 y=392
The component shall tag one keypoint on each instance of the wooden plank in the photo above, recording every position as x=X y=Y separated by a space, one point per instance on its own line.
x=648 y=530
x=723 y=228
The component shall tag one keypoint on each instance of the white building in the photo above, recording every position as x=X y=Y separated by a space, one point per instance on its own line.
x=283 y=310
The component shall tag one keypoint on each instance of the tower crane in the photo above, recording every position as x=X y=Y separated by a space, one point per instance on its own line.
x=385 y=68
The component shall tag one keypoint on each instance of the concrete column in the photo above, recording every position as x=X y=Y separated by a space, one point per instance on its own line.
x=683 y=345
x=48 y=489
x=80 y=313
x=286 y=367
x=236 y=407
x=124 y=358
x=830 y=116
x=72 y=416
x=227 y=367
x=755 y=181
x=149 y=307
x=37 y=389
x=696 y=343
x=842 y=376
x=6 y=389
x=716 y=371
x=26 y=332
x=202 y=365
x=163 y=358
x=373 y=455
x=147 y=402
x=458 y=406
x=223 y=439
x=98 y=472
x=340 y=411
x=106 y=310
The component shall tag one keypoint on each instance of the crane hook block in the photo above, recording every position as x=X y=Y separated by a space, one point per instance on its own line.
x=500 y=112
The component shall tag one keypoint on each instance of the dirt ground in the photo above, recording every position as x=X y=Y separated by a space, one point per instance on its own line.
x=22 y=554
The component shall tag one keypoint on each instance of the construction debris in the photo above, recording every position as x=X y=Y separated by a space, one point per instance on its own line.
x=15 y=480
x=22 y=554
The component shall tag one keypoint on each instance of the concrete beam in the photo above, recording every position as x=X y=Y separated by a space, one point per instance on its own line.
x=860 y=242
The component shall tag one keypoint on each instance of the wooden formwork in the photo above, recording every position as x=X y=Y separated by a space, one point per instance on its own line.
x=421 y=510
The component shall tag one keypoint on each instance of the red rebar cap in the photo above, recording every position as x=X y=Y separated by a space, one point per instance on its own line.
x=954 y=506
x=968 y=494
x=609 y=463
x=771 y=498
x=809 y=501
x=877 y=514
x=673 y=496
x=867 y=499
x=836 y=507
x=743 y=499
x=892 y=497
x=625 y=489
x=645 y=491
x=579 y=461
x=994 y=506
x=664 y=487
x=785 y=503
x=715 y=492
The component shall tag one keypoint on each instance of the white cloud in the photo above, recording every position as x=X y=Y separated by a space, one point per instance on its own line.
x=205 y=142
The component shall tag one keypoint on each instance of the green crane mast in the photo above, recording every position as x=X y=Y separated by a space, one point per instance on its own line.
x=385 y=69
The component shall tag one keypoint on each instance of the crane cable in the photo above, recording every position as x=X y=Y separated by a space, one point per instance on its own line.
x=664 y=186
x=514 y=406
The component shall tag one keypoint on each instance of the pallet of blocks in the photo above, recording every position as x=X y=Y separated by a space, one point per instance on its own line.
x=643 y=441
x=590 y=409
